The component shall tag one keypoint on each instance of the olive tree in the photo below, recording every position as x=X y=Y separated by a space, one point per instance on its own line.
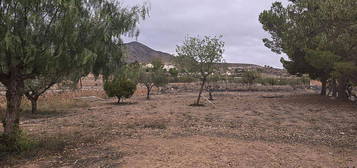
x=58 y=36
x=199 y=57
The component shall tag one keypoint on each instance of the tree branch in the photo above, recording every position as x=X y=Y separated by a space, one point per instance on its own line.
x=28 y=76
x=48 y=87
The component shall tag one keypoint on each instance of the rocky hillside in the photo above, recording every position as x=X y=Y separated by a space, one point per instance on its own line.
x=139 y=52
x=143 y=54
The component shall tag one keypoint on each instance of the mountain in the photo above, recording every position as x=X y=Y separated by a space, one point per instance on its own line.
x=139 y=52
x=143 y=54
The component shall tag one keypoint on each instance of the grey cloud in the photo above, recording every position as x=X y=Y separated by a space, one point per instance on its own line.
x=237 y=20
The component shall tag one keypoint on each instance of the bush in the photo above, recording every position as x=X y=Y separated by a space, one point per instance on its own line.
x=250 y=77
x=120 y=88
x=284 y=81
x=269 y=81
x=173 y=72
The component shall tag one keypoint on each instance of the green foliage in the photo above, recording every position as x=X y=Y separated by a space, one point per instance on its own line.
x=158 y=65
x=250 y=77
x=63 y=36
x=269 y=81
x=183 y=79
x=200 y=57
x=120 y=88
x=345 y=70
x=317 y=36
x=173 y=72
x=123 y=84
x=273 y=81
x=71 y=37
x=20 y=142
x=153 y=76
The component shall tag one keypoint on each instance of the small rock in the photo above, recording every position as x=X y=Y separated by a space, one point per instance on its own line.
x=342 y=133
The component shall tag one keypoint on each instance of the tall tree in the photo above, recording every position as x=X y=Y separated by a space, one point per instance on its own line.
x=58 y=36
x=200 y=57
x=316 y=35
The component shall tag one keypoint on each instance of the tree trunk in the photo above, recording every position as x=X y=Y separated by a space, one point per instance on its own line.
x=148 y=92
x=14 y=95
x=210 y=95
x=324 y=87
x=201 y=90
x=33 y=99
x=334 y=88
x=34 y=105
x=118 y=99
x=341 y=89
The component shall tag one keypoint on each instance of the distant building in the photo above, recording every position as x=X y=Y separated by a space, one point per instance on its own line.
x=168 y=67
x=149 y=66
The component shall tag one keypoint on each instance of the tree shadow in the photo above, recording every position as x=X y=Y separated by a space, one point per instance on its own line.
x=197 y=105
x=123 y=103
x=27 y=114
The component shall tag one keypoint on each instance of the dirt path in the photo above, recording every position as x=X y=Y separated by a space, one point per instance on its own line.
x=241 y=130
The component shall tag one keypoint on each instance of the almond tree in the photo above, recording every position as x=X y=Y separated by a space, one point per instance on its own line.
x=153 y=76
x=199 y=57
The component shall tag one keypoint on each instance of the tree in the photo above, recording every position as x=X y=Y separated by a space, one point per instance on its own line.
x=317 y=36
x=249 y=77
x=120 y=88
x=123 y=83
x=323 y=62
x=34 y=88
x=153 y=76
x=58 y=36
x=211 y=80
x=200 y=57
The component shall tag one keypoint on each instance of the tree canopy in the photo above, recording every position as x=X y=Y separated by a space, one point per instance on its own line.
x=46 y=36
x=199 y=57
x=318 y=36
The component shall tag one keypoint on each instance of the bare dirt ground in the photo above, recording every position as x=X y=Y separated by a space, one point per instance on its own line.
x=241 y=129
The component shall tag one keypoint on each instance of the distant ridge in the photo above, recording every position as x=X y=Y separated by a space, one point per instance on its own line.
x=141 y=53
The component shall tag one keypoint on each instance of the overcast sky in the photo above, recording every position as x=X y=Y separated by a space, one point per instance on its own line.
x=171 y=21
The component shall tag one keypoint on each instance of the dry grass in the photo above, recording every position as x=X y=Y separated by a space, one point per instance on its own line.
x=54 y=104
x=243 y=129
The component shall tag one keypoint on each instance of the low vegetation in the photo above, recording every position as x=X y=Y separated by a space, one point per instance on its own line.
x=120 y=88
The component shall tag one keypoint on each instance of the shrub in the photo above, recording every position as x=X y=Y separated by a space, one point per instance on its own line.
x=173 y=72
x=120 y=88
x=250 y=77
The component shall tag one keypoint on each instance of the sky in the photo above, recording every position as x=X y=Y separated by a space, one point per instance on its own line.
x=170 y=21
